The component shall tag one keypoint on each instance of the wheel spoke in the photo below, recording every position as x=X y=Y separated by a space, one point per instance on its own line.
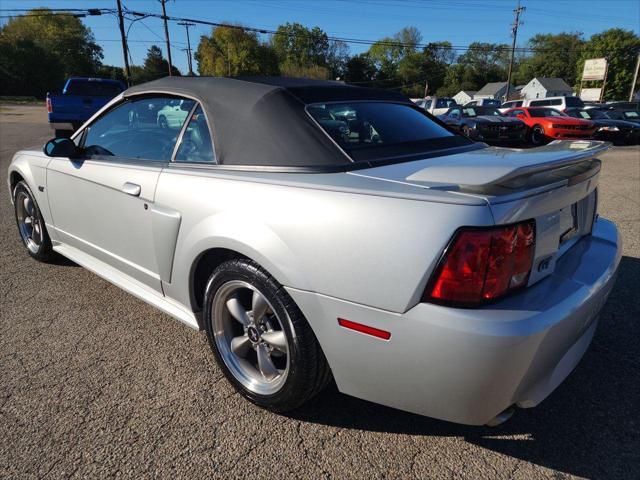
x=27 y=221
x=237 y=311
x=266 y=366
x=258 y=306
x=240 y=345
x=28 y=206
x=277 y=339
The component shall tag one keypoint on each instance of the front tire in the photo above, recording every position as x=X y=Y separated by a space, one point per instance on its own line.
x=31 y=226
x=260 y=338
x=538 y=136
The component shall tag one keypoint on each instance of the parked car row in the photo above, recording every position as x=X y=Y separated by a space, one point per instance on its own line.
x=540 y=125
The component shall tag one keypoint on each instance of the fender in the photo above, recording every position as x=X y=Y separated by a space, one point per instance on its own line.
x=33 y=169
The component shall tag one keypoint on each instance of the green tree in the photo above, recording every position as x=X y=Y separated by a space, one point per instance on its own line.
x=295 y=44
x=621 y=48
x=40 y=41
x=308 y=52
x=388 y=52
x=360 y=69
x=232 y=51
x=553 y=56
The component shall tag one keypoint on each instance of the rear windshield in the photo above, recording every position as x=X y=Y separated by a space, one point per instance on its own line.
x=382 y=130
x=574 y=102
x=477 y=111
x=90 y=88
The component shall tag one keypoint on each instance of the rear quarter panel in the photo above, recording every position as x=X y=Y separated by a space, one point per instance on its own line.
x=369 y=249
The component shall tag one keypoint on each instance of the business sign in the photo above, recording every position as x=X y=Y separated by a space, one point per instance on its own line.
x=590 y=94
x=594 y=69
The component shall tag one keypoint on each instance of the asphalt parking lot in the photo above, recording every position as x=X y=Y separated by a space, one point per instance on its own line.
x=95 y=383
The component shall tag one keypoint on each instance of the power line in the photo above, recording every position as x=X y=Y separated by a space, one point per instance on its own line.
x=438 y=45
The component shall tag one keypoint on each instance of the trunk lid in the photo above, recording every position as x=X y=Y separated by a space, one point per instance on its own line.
x=556 y=185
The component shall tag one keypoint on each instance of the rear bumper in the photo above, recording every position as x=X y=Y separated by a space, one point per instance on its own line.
x=465 y=365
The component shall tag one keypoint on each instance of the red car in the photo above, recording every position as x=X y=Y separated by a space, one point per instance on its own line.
x=546 y=124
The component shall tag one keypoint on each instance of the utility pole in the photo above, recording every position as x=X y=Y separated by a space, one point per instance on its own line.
x=635 y=79
x=186 y=27
x=127 y=70
x=514 y=33
x=166 y=34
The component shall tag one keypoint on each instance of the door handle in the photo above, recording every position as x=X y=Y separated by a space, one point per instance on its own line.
x=132 y=189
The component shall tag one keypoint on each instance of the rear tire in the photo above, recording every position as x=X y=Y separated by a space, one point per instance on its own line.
x=31 y=226
x=260 y=338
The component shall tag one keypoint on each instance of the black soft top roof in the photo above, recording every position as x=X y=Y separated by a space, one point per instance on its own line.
x=262 y=120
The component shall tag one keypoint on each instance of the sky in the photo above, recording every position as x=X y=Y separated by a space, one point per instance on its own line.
x=458 y=21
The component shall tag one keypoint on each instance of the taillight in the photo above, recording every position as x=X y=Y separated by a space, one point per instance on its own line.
x=49 y=108
x=483 y=264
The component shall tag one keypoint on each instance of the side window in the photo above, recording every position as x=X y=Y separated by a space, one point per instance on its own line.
x=556 y=101
x=145 y=128
x=196 y=144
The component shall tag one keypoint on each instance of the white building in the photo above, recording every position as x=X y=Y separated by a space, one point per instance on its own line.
x=541 y=87
x=464 y=96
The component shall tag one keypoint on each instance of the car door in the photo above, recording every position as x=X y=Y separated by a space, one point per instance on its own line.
x=103 y=203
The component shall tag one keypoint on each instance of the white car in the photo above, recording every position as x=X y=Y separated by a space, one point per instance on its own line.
x=559 y=103
x=319 y=231
x=437 y=105
x=173 y=114
x=510 y=104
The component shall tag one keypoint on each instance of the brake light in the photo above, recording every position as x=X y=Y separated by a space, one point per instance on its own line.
x=483 y=264
x=49 y=108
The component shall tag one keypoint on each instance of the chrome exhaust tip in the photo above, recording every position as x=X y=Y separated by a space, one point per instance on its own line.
x=501 y=417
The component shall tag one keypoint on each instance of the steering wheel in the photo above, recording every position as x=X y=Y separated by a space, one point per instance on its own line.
x=98 y=150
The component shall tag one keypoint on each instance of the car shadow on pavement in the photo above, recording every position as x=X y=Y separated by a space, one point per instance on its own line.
x=60 y=261
x=590 y=426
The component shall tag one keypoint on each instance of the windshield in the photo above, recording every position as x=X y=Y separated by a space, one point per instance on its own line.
x=545 y=112
x=445 y=103
x=631 y=115
x=376 y=130
x=582 y=114
x=491 y=103
x=471 y=112
x=90 y=88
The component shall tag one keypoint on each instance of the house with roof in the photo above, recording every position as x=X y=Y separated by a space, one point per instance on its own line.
x=543 y=87
x=464 y=96
x=495 y=90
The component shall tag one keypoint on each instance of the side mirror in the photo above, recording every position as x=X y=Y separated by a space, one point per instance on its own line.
x=61 y=147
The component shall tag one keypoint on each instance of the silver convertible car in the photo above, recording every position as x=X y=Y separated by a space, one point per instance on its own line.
x=319 y=231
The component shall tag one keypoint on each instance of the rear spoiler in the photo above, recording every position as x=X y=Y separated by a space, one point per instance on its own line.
x=475 y=172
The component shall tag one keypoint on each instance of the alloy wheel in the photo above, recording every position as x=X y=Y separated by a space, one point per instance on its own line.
x=29 y=222
x=250 y=338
